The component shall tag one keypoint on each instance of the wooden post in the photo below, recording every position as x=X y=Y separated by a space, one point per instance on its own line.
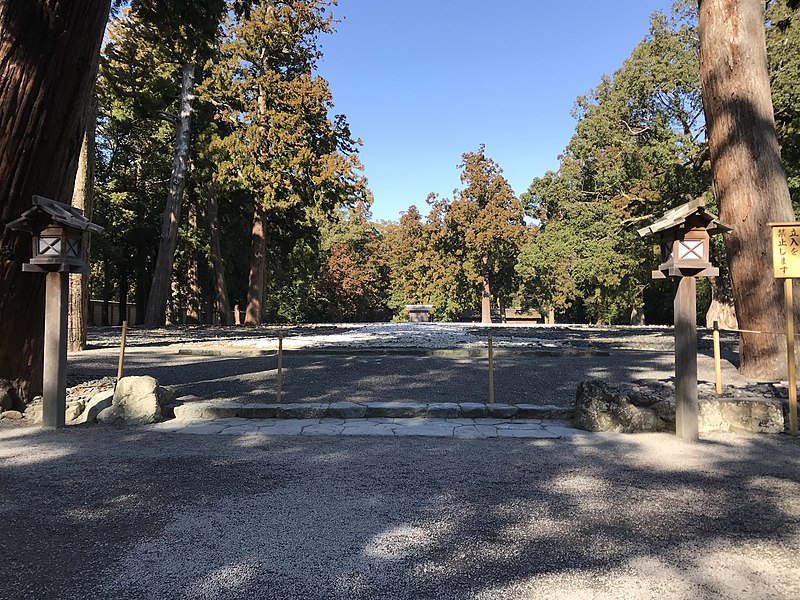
x=717 y=359
x=491 y=371
x=54 y=385
x=790 y=359
x=686 y=408
x=279 y=382
x=122 y=350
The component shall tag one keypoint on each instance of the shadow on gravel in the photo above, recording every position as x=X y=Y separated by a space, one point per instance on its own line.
x=102 y=512
x=402 y=378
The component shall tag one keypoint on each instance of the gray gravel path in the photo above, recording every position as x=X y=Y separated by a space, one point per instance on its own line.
x=99 y=512
x=366 y=376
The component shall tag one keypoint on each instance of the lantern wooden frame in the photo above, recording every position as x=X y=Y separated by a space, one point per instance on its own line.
x=57 y=231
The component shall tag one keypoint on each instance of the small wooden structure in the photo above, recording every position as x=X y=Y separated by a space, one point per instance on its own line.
x=419 y=313
x=685 y=235
x=57 y=230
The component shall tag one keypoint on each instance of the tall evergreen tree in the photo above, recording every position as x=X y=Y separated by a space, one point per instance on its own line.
x=48 y=61
x=282 y=146
x=748 y=177
x=486 y=219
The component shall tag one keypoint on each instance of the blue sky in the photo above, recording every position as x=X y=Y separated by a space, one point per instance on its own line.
x=422 y=82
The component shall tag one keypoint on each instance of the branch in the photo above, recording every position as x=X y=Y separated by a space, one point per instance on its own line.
x=633 y=131
x=169 y=117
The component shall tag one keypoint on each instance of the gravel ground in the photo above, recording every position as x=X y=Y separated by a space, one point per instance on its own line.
x=366 y=375
x=99 y=512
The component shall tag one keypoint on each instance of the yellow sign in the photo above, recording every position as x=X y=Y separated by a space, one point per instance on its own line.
x=786 y=249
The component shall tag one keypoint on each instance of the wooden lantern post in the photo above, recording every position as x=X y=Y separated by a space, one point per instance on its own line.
x=57 y=231
x=684 y=233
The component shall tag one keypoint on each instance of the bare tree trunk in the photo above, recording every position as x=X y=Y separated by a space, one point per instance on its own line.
x=192 y=277
x=748 y=178
x=123 y=295
x=486 y=297
x=721 y=309
x=105 y=319
x=486 y=302
x=143 y=281
x=83 y=198
x=255 y=288
x=162 y=276
x=48 y=61
x=637 y=315
x=222 y=307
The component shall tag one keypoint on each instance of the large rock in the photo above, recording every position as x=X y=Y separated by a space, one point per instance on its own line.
x=602 y=407
x=749 y=415
x=136 y=401
x=33 y=411
x=8 y=397
x=95 y=406
x=650 y=406
x=74 y=411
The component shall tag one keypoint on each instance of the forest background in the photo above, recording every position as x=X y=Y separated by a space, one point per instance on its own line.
x=224 y=178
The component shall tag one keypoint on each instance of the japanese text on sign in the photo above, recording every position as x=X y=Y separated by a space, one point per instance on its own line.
x=786 y=249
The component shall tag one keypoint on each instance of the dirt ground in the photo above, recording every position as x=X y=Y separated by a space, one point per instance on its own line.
x=100 y=512
x=141 y=513
x=535 y=365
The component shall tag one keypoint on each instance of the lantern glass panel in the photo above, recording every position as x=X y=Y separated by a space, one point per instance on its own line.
x=73 y=248
x=50 y=246
x=691 y=250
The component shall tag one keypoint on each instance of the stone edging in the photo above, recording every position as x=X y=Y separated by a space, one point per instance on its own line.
x=439 y=353
x=366 y=410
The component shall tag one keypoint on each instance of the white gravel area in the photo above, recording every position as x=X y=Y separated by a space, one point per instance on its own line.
x=101 y=512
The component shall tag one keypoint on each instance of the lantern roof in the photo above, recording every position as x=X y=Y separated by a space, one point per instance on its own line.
x=46 y=211
x=678 y=216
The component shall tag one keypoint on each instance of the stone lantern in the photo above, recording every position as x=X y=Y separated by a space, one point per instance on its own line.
x=685 y=237
x=57 y=230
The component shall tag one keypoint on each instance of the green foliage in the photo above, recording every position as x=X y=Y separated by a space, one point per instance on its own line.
x=638 y=150
x=135 y=86
x=783 y=52
x=445 y=259
x=276 y=139
x=355 y=274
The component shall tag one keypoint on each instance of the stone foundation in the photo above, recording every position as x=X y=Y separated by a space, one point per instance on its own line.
x=650 y=406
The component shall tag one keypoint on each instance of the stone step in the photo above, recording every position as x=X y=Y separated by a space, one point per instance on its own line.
x=382 y=351
x=210 y=410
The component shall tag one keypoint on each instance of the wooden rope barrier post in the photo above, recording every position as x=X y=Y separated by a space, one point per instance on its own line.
x=279 y=382
x=491 y=371
x=790 y=359
x=121 y=351
x=717 y=359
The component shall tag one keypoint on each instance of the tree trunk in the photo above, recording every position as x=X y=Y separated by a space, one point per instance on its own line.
x=486 y=297
x=255 y=288
x=105 y=319
x=49 y=51
x=123 y=295
x=486 y=302
x=83 y=198
x=170 y=220
x=143 y=281
x=222 y=307
x=192 y=277
x=637 y=316
x=721 y=309
x=748 y=178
